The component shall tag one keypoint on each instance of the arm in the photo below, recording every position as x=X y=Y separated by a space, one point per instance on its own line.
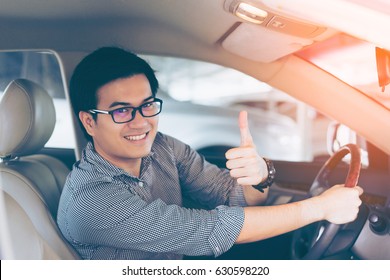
x=337 y=205
x=254 y=197
x=105 y=214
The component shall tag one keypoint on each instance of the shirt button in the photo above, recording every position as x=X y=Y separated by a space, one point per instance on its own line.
x=141 y=184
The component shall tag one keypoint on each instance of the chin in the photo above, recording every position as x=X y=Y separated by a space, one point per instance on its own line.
x=139 y=154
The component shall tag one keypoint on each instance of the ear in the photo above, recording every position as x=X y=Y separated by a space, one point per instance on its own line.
x=88 y=122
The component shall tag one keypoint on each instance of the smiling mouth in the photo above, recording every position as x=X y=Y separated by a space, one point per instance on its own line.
x=136 y=137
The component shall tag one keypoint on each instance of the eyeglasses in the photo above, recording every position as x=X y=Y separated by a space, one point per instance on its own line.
x=127 y=114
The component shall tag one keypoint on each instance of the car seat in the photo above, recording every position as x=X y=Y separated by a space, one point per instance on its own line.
x=30 y=183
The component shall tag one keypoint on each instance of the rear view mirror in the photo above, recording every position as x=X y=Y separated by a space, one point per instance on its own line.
x=383 y=67
x=339 y=135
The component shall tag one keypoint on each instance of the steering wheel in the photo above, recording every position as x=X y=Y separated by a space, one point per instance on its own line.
x=325 y=232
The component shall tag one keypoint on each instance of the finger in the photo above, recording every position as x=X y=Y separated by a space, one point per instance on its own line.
x=360 y=190
x=246 y=172
x=241 y=162
x=245 y=177
x=246 y=137
x=240 y=152
x=246 y=181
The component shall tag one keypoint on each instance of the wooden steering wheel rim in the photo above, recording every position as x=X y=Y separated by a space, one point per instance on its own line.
x=330 y=231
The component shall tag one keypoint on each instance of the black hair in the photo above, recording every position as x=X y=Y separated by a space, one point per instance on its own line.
x=101 y=67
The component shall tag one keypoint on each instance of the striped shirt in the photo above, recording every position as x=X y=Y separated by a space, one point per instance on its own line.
x=106 y=213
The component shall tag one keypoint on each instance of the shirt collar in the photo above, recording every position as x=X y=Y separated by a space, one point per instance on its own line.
x=105 y=167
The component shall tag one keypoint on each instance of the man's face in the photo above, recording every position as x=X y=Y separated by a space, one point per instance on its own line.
x=124 y=144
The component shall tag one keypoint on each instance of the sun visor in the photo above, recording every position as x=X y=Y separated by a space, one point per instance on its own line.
x=262 y=44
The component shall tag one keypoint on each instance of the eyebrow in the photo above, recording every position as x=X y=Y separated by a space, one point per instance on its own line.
x=117 y=103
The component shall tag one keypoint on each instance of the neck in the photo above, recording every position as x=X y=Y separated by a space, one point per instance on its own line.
x=134 y=170
x=130 y=165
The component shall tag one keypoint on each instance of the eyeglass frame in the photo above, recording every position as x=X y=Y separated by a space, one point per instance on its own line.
x=133 y=113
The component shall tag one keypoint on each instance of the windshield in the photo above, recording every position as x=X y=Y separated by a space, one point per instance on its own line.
x=352 y=61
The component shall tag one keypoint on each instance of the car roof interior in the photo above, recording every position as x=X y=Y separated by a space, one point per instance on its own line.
x=150 y=27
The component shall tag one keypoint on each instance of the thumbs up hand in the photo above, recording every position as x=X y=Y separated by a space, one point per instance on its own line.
x=244 y=162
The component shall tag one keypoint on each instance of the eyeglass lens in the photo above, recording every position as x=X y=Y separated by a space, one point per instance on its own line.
x=126 y=114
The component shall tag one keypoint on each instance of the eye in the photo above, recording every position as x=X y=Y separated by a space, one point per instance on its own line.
x=148 y=106
x=124 y=111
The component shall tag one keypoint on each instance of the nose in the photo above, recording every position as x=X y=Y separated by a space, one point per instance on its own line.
x=138 y=119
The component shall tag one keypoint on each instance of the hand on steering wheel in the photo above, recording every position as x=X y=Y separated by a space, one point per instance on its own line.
x=319 y=185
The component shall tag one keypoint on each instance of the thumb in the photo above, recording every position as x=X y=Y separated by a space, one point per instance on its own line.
x=246 y=137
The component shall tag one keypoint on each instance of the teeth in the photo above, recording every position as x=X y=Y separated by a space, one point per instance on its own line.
x=136 y=137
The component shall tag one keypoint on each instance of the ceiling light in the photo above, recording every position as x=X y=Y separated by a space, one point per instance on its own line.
x=250 y=13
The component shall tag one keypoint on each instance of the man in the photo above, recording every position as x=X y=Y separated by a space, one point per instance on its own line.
x=123 y=199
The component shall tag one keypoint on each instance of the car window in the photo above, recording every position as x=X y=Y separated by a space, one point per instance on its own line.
x=43 y=68
x=201 y=105
x=285 y=128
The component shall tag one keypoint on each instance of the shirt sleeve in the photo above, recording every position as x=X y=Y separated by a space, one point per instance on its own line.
x=204 y=182
x=109 y=215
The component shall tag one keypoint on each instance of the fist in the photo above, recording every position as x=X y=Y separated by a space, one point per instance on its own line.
x=340 y=204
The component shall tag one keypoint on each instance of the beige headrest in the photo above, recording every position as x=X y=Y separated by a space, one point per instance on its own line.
x=27 y=118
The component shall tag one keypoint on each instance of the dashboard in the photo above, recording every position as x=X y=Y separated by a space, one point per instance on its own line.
x=373 y=242
x=374 y=199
